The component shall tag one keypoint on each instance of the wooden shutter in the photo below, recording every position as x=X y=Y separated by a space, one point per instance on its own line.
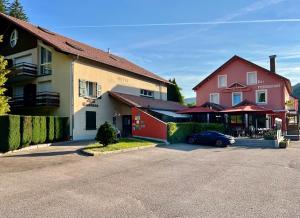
x=82 y=88
x=98 y=90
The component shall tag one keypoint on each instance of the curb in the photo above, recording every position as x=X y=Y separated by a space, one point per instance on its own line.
x=29 y=148
x=33 y=147
x=91 y=153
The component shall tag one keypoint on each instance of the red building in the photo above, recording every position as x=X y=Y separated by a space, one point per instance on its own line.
x=242 y=94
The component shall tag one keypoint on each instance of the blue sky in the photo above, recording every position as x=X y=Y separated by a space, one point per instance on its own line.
x=166 y=42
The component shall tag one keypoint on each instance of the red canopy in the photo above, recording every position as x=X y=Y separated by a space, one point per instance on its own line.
x=247 y=108
x=197 y=109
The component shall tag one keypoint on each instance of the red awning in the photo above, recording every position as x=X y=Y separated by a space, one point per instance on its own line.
x=247 y=108
x=196 y=110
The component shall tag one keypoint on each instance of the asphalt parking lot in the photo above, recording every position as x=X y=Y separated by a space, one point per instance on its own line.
x=172 y=181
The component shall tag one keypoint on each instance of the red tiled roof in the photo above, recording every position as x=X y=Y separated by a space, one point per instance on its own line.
x=247 y=106
x=73 y=47
x=144 y=102
x=235 y=57
x=196 y=109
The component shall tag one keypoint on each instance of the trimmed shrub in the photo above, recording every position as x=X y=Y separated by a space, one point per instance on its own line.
x=106 y=134
x=26 y=131
x=58 y=131
x=10 y=137
x=178 y=132
x=270 y=135
x=36 y=126
x=43 y=130
x=50 y=129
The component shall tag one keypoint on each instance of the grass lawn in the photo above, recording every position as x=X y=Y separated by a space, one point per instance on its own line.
x=122 y=144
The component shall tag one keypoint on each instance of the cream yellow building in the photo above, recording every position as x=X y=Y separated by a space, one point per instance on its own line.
x=55 y=75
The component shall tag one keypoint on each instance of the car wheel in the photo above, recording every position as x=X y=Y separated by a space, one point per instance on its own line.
x=191 y=140
x=219 y=143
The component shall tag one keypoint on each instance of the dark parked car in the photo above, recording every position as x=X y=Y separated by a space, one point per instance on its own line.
x=211 y=138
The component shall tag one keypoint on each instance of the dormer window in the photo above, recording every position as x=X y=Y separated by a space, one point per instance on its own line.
x=147 y=93
x=222 y=81
x=13 y=38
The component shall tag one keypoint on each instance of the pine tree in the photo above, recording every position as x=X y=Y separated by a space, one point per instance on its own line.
x=16 y=10
x=174 y=92
x=4 y=6
x=4 y=107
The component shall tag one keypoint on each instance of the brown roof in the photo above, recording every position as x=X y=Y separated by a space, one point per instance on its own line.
x=144 y=102
x=235 y=57
x=73 y=47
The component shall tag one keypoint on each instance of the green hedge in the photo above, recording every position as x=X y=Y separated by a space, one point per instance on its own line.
x=58 y=131
x=43 y=130
x=50 y=129
x=178 y=132
x=10 y=137
x=17 y=132
x=36 y=126
x=26 y=131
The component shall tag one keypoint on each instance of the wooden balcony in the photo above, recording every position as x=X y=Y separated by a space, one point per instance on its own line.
x=38 y=100
x=22 y=72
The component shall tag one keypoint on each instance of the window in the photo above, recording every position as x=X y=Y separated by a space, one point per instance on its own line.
x=90 y=120
x=147 y=93
x=236 y=119
x=222 y=81
x=251 y=78
x=261 y=96
x=89 y=89
x=214 y=98
x=46 y=61
x=13 y=38
x=237 y=98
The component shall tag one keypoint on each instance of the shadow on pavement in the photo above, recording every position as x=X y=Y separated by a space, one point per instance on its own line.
x=186 y=147
x=48 y=154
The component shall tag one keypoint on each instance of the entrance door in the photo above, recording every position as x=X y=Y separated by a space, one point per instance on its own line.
x=29 y=95
x=127 y=125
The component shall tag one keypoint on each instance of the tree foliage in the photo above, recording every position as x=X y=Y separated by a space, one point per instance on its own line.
x=4 y=5
x=174 y=92
x=106 y=134
x=4 y=107
x=16 y=10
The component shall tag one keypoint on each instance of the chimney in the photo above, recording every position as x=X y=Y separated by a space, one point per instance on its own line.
x=273 y=63
x=108 y=50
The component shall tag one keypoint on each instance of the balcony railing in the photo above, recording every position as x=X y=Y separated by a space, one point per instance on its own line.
x=40 y=99
x=23 y=71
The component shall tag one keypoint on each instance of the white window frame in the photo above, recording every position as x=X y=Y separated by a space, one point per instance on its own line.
x=252 y=72
x=256 y=96
x=49 y=64
x=149 y=93
x=13 y=40
x=84 y=87
x=232 y=94
x=210 y=97
x=219 y=85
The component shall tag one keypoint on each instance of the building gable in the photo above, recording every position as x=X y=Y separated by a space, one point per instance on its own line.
x=26 y=41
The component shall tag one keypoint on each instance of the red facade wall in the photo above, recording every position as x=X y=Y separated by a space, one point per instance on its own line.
x=145 y=125
x=236 y=72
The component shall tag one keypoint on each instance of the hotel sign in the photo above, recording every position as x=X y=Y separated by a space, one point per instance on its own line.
x=269 y=86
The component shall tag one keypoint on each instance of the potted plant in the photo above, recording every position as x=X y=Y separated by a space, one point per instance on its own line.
x=284 y=144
